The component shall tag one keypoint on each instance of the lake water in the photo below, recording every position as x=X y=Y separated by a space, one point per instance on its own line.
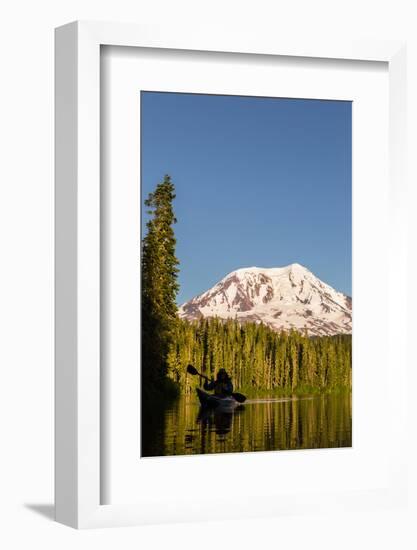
x=266 y=424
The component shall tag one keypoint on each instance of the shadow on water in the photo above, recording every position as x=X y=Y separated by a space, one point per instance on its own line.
x=183 y=428
x=153 y=427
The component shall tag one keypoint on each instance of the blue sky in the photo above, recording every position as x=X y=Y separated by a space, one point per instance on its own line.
x=260 y=182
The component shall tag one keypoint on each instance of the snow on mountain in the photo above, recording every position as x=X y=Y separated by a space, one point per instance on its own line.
x=283 y=298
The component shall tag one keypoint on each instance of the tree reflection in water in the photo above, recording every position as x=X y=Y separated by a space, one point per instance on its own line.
x=182 y=427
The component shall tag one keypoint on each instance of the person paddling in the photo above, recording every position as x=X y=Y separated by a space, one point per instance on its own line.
x=222 y=385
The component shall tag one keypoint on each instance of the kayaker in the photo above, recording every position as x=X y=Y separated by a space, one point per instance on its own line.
x=222 y=386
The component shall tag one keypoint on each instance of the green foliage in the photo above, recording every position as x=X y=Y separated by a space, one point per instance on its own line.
x=159 y=287
x=259 y=359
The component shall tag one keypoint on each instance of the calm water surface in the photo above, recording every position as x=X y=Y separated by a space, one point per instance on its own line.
x=183 y=428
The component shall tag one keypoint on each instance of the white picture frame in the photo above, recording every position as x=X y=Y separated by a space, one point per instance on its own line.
x=78 y=410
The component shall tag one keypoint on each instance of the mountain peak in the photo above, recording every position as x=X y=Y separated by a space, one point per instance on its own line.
x=284 y=298
x=297 y=267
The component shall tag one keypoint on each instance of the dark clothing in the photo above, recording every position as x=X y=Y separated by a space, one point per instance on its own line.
x=220 y=387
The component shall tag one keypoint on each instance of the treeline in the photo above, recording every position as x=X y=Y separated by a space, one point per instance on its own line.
x=258 y=358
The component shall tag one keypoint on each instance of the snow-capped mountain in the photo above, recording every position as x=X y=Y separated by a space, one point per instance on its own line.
x=283 y=298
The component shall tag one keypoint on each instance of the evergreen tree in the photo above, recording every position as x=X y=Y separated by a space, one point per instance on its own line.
x=259 y=359
x=159 y=287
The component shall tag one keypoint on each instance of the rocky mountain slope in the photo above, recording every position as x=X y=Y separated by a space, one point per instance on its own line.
x=283 y=298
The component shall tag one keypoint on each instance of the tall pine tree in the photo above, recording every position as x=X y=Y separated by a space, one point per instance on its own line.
x=159 y=286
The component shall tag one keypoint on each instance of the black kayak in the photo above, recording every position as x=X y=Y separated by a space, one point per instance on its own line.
x=211 y=401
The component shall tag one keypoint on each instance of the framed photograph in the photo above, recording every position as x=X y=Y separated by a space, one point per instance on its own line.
x=228 y=322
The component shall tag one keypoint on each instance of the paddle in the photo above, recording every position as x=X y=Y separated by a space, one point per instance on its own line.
x=240 y=398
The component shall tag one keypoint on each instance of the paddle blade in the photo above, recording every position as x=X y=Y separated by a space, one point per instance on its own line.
x=240 y=398
x=192 y=370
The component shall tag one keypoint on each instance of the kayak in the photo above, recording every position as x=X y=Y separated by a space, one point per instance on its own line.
x=209 y=400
